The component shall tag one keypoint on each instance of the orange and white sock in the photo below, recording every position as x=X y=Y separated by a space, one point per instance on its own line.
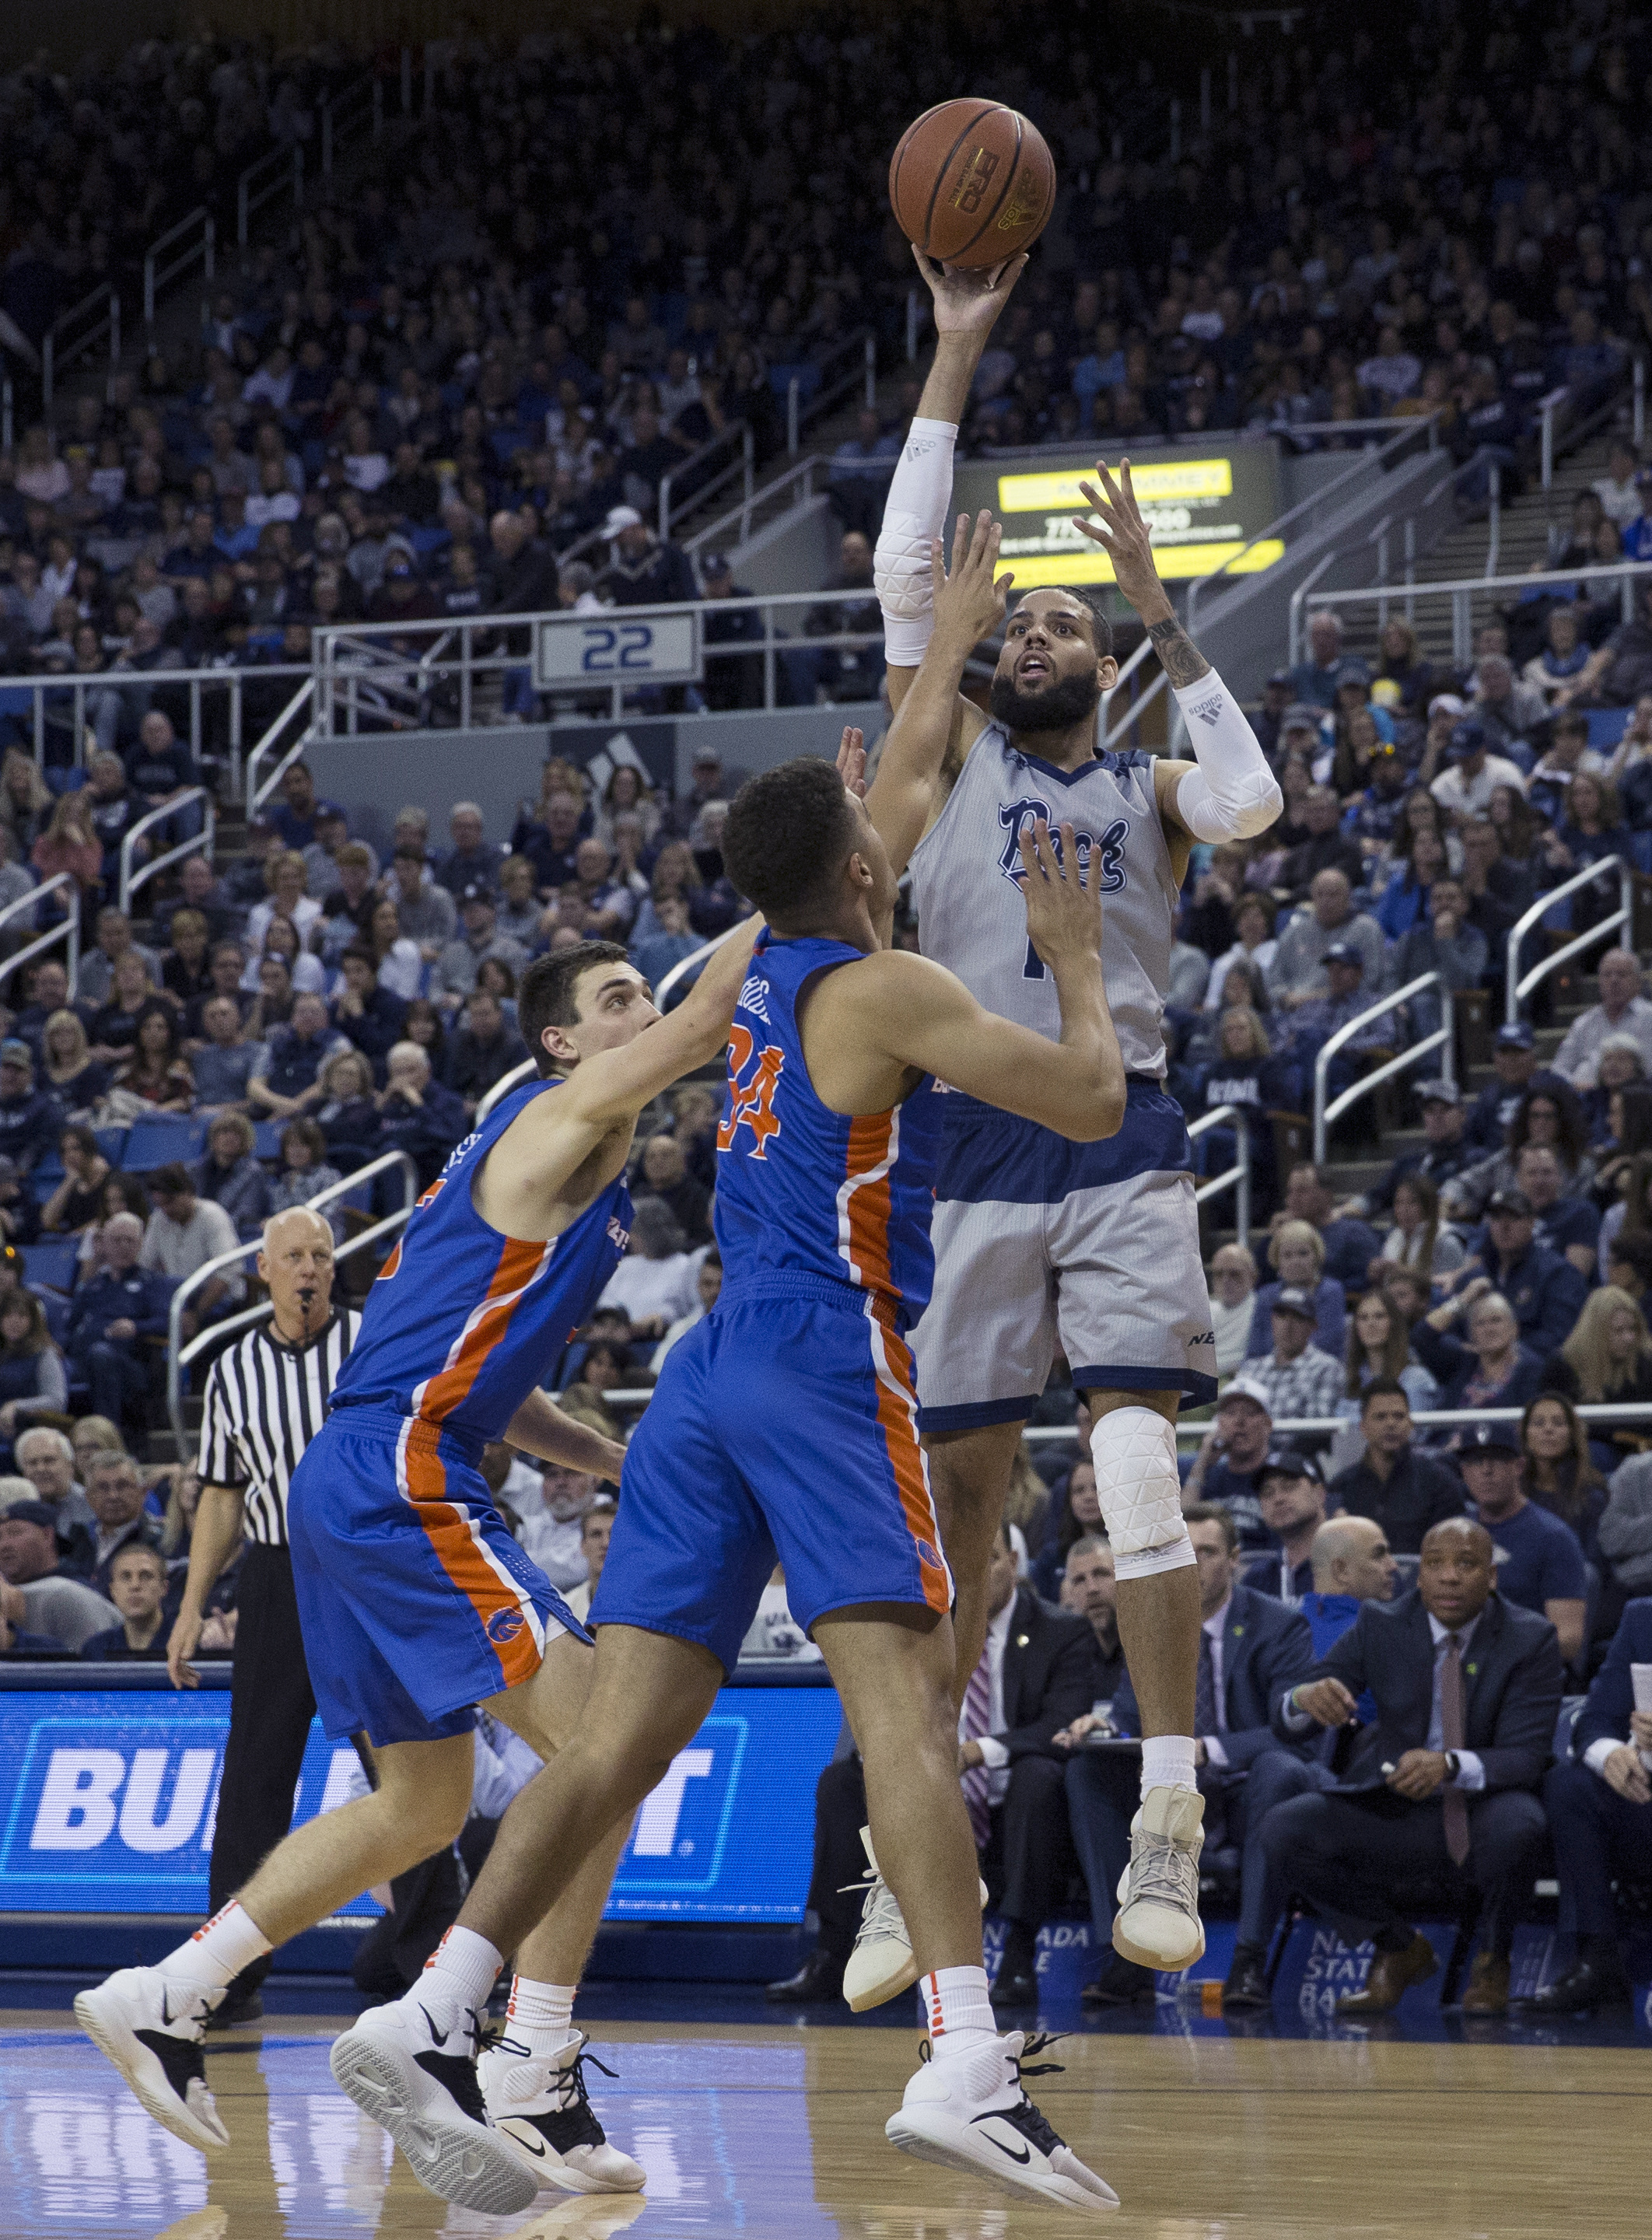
x=957 y=2011
x=219 y=1949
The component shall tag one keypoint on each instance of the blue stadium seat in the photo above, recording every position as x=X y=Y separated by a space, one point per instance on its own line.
x=266 y=1139
x=111 y=1142
x=804 y=371
x=54 y=1307
x=156 y=1143
x=1607 y=726
x=52 y=1260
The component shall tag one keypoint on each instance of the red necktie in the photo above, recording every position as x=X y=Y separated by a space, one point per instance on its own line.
x=1453 y=1802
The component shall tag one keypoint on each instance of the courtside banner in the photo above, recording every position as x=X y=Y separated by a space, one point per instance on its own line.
x=1206 y=509
x=107 y=1800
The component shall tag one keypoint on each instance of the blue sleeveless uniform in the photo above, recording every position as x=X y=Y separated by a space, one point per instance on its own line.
x=415 y=1601
x=785 y=1425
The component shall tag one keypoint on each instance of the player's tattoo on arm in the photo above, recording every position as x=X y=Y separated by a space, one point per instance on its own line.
x=1183 y=663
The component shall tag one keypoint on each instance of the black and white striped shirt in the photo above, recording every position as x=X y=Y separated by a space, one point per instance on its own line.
x=265 y=1401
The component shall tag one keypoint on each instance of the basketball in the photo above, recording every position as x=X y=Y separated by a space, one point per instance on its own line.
x=972 y=183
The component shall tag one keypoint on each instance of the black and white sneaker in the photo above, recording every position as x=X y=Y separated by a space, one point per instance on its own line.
x=542 y=2104
x=974 y=2115
x=417 y=2078
x=151 y=2027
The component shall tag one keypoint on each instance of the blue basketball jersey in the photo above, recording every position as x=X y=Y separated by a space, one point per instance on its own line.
x=803 y=1191
x=464 y=1321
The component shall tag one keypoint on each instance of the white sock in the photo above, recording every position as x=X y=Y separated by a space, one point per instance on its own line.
x=1167 y=1763
x=957 y=2011
x=540 y=2017
x=219 y=1949
x=464 y=1965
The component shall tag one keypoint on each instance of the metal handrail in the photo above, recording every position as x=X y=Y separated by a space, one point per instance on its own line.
x=1443 y=1039
x=737 y=466
x=204 y=248
x=738 y=517
x=180 y=1353
x=199 y=844
x=69 y=924
x=258 y=794
x=1598 y=1411
x=56 y=354
x=1613 y=570
x=1236 y=1178
x=1516 y=989
x=1361 y=464
x=502 y=1088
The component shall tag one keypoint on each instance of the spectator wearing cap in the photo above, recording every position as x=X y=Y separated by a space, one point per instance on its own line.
x=709 y=781
x=1622 y=1009
x=1298 y=1379
x=469 y=861
x=1442 y=1783
x=1443 y=1155
x=1545 y=1289
x=1290 y=1488
x=1314 y=680
x=1326 y=848
x=403 y=595
x=1345 y=998
x=34 y=1542
x=1401 y=1490
x=1539 y=1557
x=642 y=571
x=1514 y=1061
x=1252 y=1650
x=1599 y=1801
x=1473 y=773
x=1298 y=974
x=732 y=680
x=1492 y=1368
x=30 y=1116
x=455 y=971
x=1351 y=1565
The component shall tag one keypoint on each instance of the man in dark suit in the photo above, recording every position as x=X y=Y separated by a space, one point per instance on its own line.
x=1600 y=1816
x=1252 y=1649
x=1038 y=1673
x=1442 y=1785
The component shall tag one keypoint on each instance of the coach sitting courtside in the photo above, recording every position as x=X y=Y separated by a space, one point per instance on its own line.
x=1600 y=1815
x=1038 y=1672
x=1251 y=1647
x=1442 y=1786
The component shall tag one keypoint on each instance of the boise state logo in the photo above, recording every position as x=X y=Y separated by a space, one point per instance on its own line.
x=503 y=1627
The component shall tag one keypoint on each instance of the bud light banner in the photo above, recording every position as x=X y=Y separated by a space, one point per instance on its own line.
x=108 y=1800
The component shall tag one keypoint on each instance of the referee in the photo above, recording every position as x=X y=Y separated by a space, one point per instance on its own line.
x=266 y=1397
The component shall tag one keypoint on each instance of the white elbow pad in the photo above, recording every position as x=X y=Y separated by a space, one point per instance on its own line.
x=1231 y=794
x=914 y=515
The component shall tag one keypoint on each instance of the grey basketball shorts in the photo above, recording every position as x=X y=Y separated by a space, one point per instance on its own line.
x=1042 y=1245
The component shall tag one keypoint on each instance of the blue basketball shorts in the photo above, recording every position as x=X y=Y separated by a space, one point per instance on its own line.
x=784 y=1426
x=415 y=1601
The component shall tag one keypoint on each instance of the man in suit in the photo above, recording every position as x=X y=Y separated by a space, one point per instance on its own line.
x=1600 y=1816
x=1351 y=1565
x=1252 y=1649
x=1038 y=1673
x=1442 y=1785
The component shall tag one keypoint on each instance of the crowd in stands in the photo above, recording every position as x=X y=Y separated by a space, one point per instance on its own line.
x=420 y=404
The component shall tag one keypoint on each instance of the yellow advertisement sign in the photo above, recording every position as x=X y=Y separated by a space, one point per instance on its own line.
x=1160 y=481
x=1174 y=562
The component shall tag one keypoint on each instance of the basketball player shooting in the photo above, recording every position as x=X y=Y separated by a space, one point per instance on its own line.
x=1041 y=1242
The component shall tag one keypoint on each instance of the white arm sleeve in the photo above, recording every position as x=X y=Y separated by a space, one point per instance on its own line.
x=914 y=515
x=1232 y=794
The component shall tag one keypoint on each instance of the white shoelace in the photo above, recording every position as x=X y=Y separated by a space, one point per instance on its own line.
x=1163 y=1873
x=883 y=1918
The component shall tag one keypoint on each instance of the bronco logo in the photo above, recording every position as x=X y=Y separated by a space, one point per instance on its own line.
x=503 y=1627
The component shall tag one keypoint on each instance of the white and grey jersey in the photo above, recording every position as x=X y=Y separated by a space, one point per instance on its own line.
x=967 y=875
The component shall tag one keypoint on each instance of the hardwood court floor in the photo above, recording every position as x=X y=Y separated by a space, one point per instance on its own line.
x=777 y=2133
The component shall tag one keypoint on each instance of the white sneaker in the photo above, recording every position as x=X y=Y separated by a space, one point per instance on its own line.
x=418 y=2080
x=152 y=2028
x=882 y=1962
x=1158 y=1924
x=539 y=2103
x=973 y=2115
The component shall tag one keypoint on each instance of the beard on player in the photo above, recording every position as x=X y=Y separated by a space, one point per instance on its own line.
x=1058 y=707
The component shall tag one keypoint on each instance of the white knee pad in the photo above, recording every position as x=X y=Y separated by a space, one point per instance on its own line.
x=1140 y=1492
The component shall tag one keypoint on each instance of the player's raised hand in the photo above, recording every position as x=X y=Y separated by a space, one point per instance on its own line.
x=1063 y=906
x=969 y=602
x=851 y=760
x=1120 y=530
x=968 y=302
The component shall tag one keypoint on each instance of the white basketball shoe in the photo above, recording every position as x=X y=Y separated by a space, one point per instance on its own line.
x=152 y=2028
x=1158 y=1924
x=974 y=2115
x=414 y=2075
x=540 y=2103
x=882 y=1962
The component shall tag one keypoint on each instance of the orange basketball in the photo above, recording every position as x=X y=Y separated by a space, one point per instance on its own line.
x=972 y=183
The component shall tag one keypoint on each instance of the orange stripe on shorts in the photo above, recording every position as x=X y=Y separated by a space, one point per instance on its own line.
x=455 y=1548
x=896 y=1414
